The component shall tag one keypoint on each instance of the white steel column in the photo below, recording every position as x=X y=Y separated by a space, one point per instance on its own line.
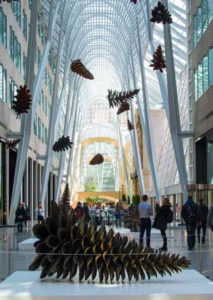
x=147 y=131
x=69 y=115
x=175 y=126
x=123 y=158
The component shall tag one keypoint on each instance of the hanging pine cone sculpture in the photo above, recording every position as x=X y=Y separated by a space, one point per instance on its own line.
x=97 y=159
x=117 y=98
x=123 y=107
x=8 y=1
x=23 y=101
x=134 y=1
x=160 y=14
x=62 y=144
x=78 y=68
x=130 y=126
x=66 y=248
x=12 y=143
x=65 y=200
x=158 y=61
x=132 y=218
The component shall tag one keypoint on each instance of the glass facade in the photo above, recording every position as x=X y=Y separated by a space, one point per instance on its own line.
x=15 y=50
x=202 y=19
x=210 y=162
x=203 y=75
x=24 y=26
x=16 y=8
x=12 y=90
x=3 y=84
x=3 y=28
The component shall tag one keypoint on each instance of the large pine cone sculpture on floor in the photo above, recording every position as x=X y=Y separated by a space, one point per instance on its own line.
x=66 y=247
x=132 y=218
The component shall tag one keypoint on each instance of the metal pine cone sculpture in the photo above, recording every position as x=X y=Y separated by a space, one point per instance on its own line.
x=134 y=1
x=130 y=126
x=117 y=98
x=97 y=159
x=23 y=101
x=123 y=107
x=62 y=144
x=12 y=143
x=132 y=218
x=8 y=1
x=67 y=248
x=158 y=61
x=160 y=14
x=78 y=68
x=65 y=200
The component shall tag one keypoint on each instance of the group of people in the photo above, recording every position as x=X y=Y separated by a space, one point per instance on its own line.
x=195 y=217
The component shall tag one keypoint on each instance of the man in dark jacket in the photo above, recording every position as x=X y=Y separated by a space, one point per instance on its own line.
x=202 y=214
x=20 y=217
x=189 y=215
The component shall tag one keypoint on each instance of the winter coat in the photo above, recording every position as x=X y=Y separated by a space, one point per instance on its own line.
x=202 y=213
x=79 y=212
x=189 y=212
x=20 y=215
x=210 y=217
x=161 y=218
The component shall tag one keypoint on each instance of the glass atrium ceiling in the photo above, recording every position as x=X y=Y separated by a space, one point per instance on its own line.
x=105 y=35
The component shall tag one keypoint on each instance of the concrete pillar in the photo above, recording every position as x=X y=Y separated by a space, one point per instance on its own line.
x=25 y=185
x=31 y=188
x=7 y=171
x=174 y=206
x=210 y=198
x=35 y=187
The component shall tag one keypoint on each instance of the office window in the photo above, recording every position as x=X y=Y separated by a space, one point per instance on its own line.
x=16 y=8
x=39 y=128
x=205 y=73
x=12 y=90
x=3 y=28
x=201 y=20
x=35 y=126
x=24 y=25
x=15 y=50
x=29 y=4
x=3 y=84
x=211 y=67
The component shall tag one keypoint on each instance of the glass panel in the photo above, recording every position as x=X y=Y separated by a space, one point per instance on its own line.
x=211 y=67
x=200 y=80
x=205 y=73
x=209 y=162
x=195 y=85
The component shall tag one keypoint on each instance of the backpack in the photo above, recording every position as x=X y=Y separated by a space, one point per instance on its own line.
x=170 y=216
x=191 y=213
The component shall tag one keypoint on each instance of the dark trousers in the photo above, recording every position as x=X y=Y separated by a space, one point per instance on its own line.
x=201 y=226
x=191 y=228
x=145 y=225
x=20 y=226
x=163 y=234
x=117 y=222
x=40 y=219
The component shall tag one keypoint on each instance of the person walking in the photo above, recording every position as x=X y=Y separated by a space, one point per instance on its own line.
x=27 y=213
x=210 y=218
x=202 y=214
x=86 y=212
x=189 y=215
x=118 y=215
x=145 y=211
x=40 y=213
x=163 y=217
x=79 y=210
x=20 y=217
x=97 y=215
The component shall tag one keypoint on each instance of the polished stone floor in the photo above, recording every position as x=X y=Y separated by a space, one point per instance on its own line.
x=12 y=259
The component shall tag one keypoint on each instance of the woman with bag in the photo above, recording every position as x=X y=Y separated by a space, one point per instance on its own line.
x=163 y=217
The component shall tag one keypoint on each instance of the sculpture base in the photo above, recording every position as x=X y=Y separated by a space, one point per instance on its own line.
x=184 y=286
